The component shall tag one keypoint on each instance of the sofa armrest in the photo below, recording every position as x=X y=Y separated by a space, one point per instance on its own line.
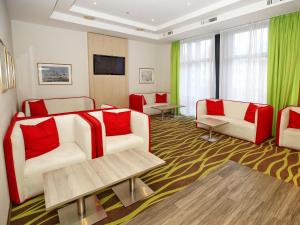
x=200 y=109
x=264 y=123
x=84 y=136
x=14 y=150
x=140 y=126
x=136 y=102
x=282 y=123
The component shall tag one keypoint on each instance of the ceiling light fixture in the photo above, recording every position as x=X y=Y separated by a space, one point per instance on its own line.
x=95 y=3
x=152 y=20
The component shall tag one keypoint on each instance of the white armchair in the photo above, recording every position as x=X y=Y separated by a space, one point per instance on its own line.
x=287 y=137
x=25 y=176
x=139 y=139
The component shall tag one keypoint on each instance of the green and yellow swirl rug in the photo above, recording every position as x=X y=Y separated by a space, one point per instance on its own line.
x=188 y=157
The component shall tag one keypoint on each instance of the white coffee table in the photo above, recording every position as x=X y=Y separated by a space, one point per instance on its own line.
x=80 y=182
x=211 y=123
x=165 y=108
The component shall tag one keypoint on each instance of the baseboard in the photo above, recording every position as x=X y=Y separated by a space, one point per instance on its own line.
x=9 y=213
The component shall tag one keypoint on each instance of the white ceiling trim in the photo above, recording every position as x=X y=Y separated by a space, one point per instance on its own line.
x=101 y=25
x=120 y=20
x=198 y=13
x=250 y=11
x=109 y=17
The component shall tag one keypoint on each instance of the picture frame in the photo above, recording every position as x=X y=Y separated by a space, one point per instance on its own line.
x=7 y=69
x=3 y=68
x=54 y=74
x=146 y=75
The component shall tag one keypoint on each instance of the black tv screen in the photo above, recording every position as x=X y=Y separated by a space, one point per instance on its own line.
x=109 y=65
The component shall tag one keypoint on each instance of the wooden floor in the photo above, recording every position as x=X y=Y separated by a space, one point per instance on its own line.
x=231 y=195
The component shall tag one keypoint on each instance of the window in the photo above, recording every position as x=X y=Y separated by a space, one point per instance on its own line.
x=197 y=74
x=243 y=63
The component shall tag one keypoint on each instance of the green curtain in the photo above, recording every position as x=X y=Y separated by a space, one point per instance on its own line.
x=283 y=62
x=175 y=72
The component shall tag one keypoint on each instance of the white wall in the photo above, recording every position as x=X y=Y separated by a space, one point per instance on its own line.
x=37 y=43
x=148 y=55
x=44 y=44
x=8 y=105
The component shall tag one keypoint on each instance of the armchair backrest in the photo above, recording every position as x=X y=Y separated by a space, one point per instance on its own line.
x=63 y=105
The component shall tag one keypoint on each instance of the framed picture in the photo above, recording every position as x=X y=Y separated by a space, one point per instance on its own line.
x=51 y=73
x=3 y=68
x=146 y=75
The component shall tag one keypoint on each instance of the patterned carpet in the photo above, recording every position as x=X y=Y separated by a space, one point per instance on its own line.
x=188 y=157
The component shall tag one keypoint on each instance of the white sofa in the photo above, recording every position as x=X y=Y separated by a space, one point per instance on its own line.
x=287 y=137
x=62 y=105
x=25 y=176
x=237 y=127
x=139 y=139
x=137 y=104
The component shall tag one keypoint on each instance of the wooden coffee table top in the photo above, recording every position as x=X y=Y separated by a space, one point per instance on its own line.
x=67 y=184
x=211 y=122
x=166 y=107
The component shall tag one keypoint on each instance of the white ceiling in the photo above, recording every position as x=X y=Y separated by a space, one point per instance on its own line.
x=157 y=20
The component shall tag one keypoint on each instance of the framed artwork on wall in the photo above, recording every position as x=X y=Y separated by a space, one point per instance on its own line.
x=7 y=69
x=146 y=75
x=53 y=73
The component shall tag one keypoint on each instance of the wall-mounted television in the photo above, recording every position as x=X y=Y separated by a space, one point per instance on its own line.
x=109 y=65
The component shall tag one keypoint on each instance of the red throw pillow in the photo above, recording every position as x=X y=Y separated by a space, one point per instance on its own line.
x=215 y=107
x=40 y=138
x=144 y=100
x=294 y=121
x=38 y=108
x=250 y=113
x=117 y=123
x=160 y=98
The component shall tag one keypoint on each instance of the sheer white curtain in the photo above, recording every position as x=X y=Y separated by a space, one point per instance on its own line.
x=197 y=72
x=243 y=63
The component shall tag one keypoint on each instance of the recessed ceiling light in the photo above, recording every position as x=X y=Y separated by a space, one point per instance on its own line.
x=152 y=20
x=188 y=3
x=95 y=3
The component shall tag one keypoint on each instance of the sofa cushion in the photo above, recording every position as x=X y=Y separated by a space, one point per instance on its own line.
x=38 y=108
x=294 y=120
x=123 y=142
x=250 y=113
x=291 y=138
x=236 y=127
x=40 y=138
x=66 y=154
x=117 y=123
x=215 y=107
x=161 y=98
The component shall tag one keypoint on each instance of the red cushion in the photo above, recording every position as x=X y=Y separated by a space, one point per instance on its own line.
x=38 y=108
x=215 y=107
x=144 y=100
x=294 y=121
x=250 y=113
x=117 y=123
x=160 y=98
x=40 y=138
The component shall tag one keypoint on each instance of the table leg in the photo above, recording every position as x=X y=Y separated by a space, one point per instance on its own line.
x=86 y=211
x=81 y=207
x=210 y=133
x=210 y=137
x=132 y=191
x=162 y=115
